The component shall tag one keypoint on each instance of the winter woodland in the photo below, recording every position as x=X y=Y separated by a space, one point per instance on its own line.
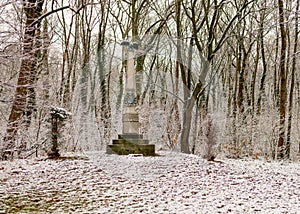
x=217 y=83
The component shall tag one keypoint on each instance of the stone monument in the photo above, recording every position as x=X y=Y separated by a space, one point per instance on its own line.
x=130 y=141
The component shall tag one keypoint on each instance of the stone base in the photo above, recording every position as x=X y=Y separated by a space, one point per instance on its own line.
x=131 y=144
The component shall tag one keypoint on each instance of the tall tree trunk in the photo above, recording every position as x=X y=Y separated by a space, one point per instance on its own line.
x=104 y=108
x=276 y=73
x=235 y=106
x=291 y=96
x=229 y=83
x=241 y=72
x=32 y=9
x=188 y=104
x=31 y=97
x=283 y=82
x=264 y=64
x=253 y=79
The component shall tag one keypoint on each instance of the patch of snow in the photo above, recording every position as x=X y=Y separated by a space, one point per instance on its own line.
x=169 y=183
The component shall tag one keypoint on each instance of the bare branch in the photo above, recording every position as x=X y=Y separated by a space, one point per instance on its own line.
x=49 y=13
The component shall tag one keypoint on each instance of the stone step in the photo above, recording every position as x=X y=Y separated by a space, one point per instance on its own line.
x=130 y=136
x=126 y=149
x=130 y=141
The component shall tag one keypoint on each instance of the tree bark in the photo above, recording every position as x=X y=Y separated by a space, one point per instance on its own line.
x=103 y=76
x=264 y=64
x=292 y=86
x=283 y=82
x=32 y=9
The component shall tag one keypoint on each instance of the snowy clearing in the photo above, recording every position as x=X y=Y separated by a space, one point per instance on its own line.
x=169 y=183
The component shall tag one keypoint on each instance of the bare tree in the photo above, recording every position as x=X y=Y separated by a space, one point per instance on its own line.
x=32 y=10
x=212 y=47
x=292 y=84
x=283 y=79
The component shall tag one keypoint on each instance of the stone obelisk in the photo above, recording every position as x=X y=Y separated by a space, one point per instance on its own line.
x=130 y=141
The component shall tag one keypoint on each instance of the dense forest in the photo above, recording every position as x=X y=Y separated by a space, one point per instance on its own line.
x=209 y=73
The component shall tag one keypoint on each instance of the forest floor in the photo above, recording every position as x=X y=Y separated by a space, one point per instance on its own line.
x=169 y=183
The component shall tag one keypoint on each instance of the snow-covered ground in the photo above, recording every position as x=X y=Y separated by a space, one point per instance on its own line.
x=169 y=183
